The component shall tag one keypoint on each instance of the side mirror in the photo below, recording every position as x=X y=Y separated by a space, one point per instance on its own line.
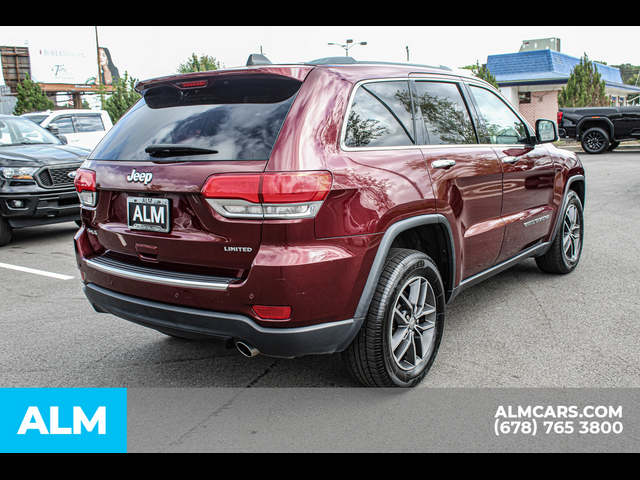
x=63 y=139
x=546 y=131
x=53 y=128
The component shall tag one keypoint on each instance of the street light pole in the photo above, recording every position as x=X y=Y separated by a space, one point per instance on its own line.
x=349 y=45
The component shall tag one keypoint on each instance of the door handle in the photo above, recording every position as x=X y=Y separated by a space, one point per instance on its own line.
x=444 y=163
x=510 y=159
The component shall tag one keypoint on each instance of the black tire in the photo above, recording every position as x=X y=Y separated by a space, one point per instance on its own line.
x=371 y=357
x=595 y=141
x=566 y=249
x=5 y=231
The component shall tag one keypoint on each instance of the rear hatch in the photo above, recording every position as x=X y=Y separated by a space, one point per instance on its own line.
x=151 y=167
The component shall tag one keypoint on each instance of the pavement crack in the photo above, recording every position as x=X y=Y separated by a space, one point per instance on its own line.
x=263 y=374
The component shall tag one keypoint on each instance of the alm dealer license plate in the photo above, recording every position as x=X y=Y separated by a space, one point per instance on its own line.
x=151 y=214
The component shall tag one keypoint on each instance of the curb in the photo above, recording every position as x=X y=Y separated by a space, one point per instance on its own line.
x=578 y=148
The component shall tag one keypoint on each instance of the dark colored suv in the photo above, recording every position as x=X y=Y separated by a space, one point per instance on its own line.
x=316 y=208
x=37 y=171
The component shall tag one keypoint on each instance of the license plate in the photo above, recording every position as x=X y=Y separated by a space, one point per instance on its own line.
x=150 y=214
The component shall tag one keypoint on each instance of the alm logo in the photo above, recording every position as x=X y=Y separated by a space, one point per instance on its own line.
x=33 y=421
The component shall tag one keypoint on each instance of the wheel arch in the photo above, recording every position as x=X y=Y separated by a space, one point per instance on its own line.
x=578 y=185
x=575 y=184
x=590 y=122
x=430 y=234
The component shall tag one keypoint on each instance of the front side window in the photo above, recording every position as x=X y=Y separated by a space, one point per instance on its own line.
x=381 y=116
x=445 y=115
x=65 y=125
x=501 y=124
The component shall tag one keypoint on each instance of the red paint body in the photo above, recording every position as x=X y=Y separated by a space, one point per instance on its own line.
x=319 y=266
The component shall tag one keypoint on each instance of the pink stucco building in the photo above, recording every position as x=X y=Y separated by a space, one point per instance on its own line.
x=531 y=80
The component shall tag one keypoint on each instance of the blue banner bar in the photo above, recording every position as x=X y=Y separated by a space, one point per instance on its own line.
x=63 y=420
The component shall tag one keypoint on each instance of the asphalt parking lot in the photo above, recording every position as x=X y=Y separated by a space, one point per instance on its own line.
x=521 y=328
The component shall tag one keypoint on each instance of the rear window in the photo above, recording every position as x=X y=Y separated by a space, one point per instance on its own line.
x=232 y=118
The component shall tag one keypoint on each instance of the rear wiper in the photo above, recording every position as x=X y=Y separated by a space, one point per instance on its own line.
x=173 y=150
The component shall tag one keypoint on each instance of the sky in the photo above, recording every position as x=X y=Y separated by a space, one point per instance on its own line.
x=152 y=51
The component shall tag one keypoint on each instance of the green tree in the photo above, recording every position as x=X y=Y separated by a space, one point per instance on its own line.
x=482 y=72
x=123 y=98
x=629 y=73
x=585 y=87
x=202 y=64
x=31 y=98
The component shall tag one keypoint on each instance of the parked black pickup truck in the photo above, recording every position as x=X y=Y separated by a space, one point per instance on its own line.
x=599 y=129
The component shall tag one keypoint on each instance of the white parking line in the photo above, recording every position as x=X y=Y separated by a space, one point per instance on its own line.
x=37 y=272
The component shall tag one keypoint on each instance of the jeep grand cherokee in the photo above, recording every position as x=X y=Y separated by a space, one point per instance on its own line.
x=317 y=208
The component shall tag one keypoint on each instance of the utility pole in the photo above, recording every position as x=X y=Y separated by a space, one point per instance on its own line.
x=99 y=78
x=407 y=47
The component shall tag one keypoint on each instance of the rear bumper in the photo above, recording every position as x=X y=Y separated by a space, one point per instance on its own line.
x=201 y=324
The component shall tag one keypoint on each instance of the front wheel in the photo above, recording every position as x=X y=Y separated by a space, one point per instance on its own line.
x=400 y=337
x=564 y=254
x=5 y=231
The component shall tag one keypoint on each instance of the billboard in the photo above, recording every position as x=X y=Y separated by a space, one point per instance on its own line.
x=53 y=62
x=108 y=71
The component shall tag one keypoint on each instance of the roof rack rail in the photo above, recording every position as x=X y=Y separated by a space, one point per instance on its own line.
x=332 y=61
x=353 y=61
x=258 y=59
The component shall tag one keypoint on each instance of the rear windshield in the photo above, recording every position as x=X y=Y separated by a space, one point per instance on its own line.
x=230 y=119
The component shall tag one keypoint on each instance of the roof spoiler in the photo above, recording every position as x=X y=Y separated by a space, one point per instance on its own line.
x=257 y=59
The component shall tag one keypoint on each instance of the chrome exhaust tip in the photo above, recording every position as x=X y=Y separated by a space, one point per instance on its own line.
x=246 y=349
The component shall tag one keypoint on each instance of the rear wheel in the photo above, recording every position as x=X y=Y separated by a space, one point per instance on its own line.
x=595 y=140
x=401 y=335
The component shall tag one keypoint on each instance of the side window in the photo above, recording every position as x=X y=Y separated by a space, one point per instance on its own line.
x=445 y=115
x=502 y=125
x=381 y=116
x=91 y=123
x=65 y=125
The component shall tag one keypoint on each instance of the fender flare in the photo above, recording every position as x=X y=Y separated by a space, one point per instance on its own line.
x=385 y=245
x=565 y=196
x=581 y=123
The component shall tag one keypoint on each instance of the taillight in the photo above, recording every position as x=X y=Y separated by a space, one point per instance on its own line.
x=559 y=118
x=85 y=183
x=268 y=195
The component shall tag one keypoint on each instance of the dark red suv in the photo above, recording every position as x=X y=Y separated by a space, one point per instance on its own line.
x=324 y=207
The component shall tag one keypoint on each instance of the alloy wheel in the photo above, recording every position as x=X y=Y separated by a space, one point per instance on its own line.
x=412 y=331
x=594 y=141
x=571 y=234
